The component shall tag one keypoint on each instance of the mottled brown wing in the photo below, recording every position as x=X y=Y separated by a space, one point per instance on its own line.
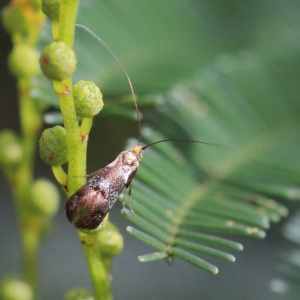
x=87 y=208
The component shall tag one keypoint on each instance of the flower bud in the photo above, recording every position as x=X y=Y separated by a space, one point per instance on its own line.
x=44 y=197
x=23 y=61
x=58 y=61
x=11 y=151
x=53 y=146
x=109 y=241
x=35 y=4
x=79 y=294
x=51 y=9
x=15 y=289
x=13 y=19
x=87 y=98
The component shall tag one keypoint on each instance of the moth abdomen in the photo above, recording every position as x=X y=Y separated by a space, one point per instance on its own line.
x=87 y=208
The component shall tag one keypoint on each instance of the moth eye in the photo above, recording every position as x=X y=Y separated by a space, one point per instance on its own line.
x=129 y=159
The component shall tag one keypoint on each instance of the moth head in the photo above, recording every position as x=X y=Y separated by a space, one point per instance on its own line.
x=133 y=156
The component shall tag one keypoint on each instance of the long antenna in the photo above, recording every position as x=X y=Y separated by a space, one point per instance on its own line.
x=184 y=141
x=123 y=69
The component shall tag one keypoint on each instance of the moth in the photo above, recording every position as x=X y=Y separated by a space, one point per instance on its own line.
x=89 y=205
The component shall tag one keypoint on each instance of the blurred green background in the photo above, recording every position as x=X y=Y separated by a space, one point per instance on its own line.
x=163 y=43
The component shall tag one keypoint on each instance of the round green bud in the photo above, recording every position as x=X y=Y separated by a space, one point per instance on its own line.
x=87 y=98
x=58 y=61
x=23 y=61
x=44 y=197
x=13 y=19
x=109 y=241
x=51 y=9
x=53 y=146
x=36 y=4
x=79 y=294
x=11 y=151
x=15 y=289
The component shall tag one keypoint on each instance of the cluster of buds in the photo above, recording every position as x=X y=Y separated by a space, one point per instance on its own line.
x=58 y=62
x=11 y=150
x=51 y=9
x=11 y=155
x=14 y=288
x=109 y=242
x=47 y=205
x=79 y=294
x=53 y=146
x=23 y=61
x=20 y=19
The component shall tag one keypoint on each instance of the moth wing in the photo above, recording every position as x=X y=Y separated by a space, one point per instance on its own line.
x=87 y=207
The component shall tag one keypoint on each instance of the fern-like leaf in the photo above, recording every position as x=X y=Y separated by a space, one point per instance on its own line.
x=186 y=195
x=287 y=281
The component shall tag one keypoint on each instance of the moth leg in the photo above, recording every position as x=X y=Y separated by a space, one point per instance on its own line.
x=129 y=201
x=123 y=200
x=128 y=185
x=87 y=175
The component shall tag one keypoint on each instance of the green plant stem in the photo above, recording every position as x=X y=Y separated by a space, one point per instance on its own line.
x=55 y=29
x=31 y=241
x=76 y=148
x=97 y=267
x=60 y=175
x=77 y=152
x=30 y=118
x=67 y=21
x=85 y=127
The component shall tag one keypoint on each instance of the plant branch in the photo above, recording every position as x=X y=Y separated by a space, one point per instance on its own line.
x=77 y=152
